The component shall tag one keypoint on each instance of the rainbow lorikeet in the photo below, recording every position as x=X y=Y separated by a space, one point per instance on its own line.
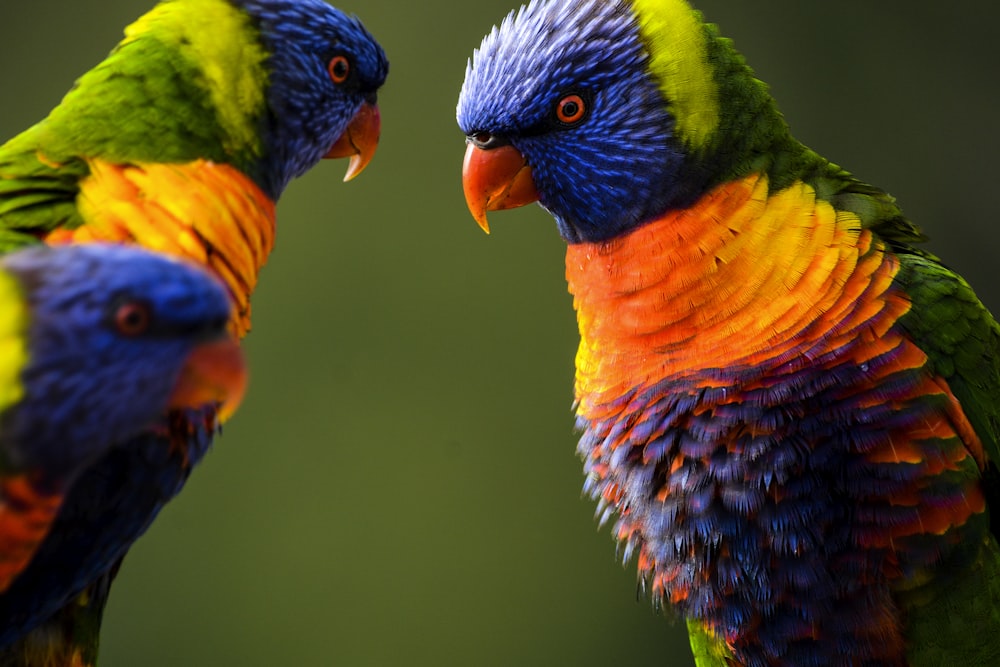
x=181 y=141
x=96 y=343
x=793 y=410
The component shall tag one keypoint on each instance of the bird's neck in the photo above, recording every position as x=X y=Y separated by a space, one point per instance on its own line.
x=737 y=280
x=209 y=213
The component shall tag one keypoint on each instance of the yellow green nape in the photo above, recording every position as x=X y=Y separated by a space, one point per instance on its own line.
x=220 y=40
x=13 y=340
x=708 y=650
x=677 y=41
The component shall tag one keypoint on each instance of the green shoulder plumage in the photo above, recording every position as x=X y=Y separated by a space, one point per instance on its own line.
x=164 y=95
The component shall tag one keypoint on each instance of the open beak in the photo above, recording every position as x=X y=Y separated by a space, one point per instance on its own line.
x=495 y=179
x=359 y=140
x=214 y=373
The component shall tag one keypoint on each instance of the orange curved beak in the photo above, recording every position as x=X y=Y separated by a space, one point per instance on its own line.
x=359 y=140
x=495 y=179
x=214 y=373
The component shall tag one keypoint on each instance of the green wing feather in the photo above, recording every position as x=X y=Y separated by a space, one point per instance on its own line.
x=35 y=196
x=962 y=340
x=708 y=650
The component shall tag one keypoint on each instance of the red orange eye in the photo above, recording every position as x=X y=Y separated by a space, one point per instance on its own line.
x=339 y=68
x=132 y=318
x=571 y=109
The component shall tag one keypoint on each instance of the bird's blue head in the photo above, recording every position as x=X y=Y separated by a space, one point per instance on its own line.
x=324 y=70
x=569 y=103
x=110 y=338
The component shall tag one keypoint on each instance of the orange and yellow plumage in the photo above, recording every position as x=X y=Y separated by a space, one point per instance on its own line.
x=181 y=141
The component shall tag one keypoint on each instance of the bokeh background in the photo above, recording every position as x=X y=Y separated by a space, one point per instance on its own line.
x=400 y=486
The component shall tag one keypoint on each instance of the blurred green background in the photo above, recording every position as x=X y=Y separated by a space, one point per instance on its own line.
x=400 y=486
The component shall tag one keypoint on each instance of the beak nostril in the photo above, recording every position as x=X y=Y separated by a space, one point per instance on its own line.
x=486 y=140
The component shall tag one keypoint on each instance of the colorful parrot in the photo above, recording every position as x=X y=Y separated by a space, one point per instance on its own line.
x=181 y=141
x=792 y=409
x=97 y=342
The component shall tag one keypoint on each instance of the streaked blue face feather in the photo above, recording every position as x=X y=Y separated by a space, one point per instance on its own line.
x=87 y=385
x=619 y=166
x=308 y=111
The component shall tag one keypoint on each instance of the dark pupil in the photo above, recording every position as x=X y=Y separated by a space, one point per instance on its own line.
x=570 y=109
x=340 y=69
x=133 y=318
